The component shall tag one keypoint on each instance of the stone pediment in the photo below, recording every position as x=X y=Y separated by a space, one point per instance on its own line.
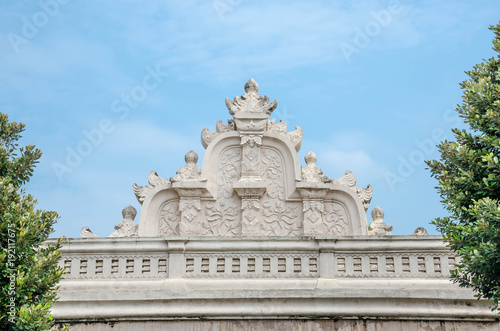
x=251 y=235
x=251 y=183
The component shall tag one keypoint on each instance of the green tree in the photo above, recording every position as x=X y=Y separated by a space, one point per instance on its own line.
x=469 y=181
x=28 y=266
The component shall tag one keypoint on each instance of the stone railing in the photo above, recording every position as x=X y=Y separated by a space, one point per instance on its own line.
x=275 y=257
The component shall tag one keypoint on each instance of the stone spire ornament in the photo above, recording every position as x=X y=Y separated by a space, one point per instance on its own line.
x=127 y=227
x=378 y=227
x=251 y=183
x=189 y=172
x=251 y=101
x=312 y=173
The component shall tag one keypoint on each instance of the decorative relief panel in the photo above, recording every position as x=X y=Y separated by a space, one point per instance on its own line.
x=99 y=266
x=280 y=218
x=336 y=221
x=190 y=223
x=223 y=216
x=248 y=265
x=170 y=217
x=396 y=265
x=286 y=203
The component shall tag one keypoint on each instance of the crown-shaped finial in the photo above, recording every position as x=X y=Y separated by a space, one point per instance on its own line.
x=251 y=86
x=251 y=101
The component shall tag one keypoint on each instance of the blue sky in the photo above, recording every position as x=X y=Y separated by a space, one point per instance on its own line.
x=373 y=84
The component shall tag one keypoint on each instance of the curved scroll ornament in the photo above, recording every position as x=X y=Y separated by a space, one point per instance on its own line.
x=295 y=137
x=170 y=217
x=154 y=180
x=336 y=221
x=223 y=215
x=280 y=218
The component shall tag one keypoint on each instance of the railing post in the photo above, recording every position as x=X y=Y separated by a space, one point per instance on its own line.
x=176 y=263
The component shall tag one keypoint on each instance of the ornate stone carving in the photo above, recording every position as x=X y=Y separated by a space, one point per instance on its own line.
x=221 y=218
x=222 y=215
x=250 y=213
x=190 y=223
x=312 y=173
x=86 y=233
x=295 y=137
x=251 y=141
x=348 y=180
x=280 y=218
x=335 y=220
x=279 y=127
x=378 y=227
x=273 y=196
x=313 y=217
x=250 y=193
x=420 y=231
x=170 y=218
x=364 y=194
x=208 y=136
x=251 y=155
x=189 y=172
x=154 y=180
x=127 y=227
x=251 y=102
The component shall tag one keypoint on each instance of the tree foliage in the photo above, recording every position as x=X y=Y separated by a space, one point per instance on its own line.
x=469 y=181
x=28 y=267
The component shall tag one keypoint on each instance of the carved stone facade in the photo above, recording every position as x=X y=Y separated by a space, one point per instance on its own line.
x=253 y=238
x=252 y=184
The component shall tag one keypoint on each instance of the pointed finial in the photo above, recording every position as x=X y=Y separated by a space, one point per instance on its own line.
x=251 y=86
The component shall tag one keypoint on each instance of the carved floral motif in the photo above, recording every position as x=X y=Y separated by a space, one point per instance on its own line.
x=280 y=218
x=221 y=218
x=335 y=220
x=223 y=214
x=169 y=218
